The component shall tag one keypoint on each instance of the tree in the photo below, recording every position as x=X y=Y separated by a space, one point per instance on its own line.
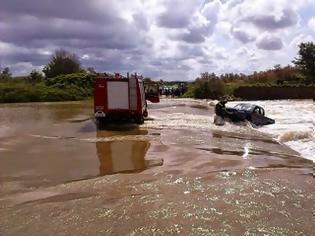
x=91 y=70
x=305 y=61
x=5 y=73
x=62 y=62
x=35 y=76
x=147 y=80
x=277 y=67
x=208 y=86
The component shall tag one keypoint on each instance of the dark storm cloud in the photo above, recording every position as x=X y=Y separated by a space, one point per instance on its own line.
x=270 y=43
x=70 y=23
x=190 y=51
x=208 y=63
x=36 y=58
x=74 y=25
x=242 y=36
x=109 y=65
x=270 y=22
x=159 y=38
x=191 y=37
x=28 y=31
x=171 y=20
x=111 y=60
x=165 y=63
x=171 y=63
x=66 y=9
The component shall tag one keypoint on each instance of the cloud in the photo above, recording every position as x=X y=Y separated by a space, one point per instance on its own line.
x=31 y=31
x=242 y=36
x=194 y=35
x=177 y=14
x=69 y=9
x=173 y=20
x=311 y=23
x=192 y=27
x=269 y=42
x=175 y=39
x=285 y=19
x=300 y=39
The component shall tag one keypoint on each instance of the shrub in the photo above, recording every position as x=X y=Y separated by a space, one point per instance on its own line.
x=62 y=62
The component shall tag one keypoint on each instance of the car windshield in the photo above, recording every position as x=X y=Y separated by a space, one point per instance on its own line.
x=244 y=106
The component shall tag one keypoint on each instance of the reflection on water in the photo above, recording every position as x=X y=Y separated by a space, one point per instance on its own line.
x=122 y=156
x=20 y=119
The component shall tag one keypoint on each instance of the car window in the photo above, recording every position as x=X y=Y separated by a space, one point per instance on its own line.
x=262 y=111
x=256 y=110
x=243 y=106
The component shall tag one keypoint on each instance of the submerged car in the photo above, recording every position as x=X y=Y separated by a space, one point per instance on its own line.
x=251 y=112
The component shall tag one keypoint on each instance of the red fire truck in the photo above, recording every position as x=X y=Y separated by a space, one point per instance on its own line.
x=121 y=98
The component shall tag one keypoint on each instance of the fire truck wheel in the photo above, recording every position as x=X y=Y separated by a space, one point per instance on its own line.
x=145 y=113
x=140 y=120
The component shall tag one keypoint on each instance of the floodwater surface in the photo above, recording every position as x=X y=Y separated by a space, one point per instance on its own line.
x=51 y=143
x=47 y=144
x=177 y=173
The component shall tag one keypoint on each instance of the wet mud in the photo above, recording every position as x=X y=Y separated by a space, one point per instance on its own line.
x=177 y=174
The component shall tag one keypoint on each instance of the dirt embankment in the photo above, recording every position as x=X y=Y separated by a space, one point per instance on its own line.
x=269 y=93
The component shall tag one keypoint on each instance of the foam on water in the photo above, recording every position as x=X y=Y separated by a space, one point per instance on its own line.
x=193 y=121
x=179 y=120
x=294 y=125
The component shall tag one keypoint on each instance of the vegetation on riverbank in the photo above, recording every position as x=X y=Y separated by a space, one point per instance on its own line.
x=271 y=84
x=63 y=80
x=283 y=80
x=70 y=87
x=275 y=92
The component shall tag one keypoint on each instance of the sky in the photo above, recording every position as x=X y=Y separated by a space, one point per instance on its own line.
x=161 y=39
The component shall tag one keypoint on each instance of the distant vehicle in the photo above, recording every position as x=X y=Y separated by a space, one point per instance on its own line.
x=121 y=98
x=251 y=112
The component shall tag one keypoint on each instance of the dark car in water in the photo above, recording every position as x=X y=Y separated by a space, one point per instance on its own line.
x=251 y=112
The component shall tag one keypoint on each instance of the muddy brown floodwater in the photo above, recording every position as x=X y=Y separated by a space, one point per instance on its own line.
x=177 y=174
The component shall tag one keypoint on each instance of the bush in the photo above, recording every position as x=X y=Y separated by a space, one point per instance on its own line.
x=70 y=87
x=19 y=92
x=80 y=82
x=211 y=88
x=35 y=77
x=190 y=91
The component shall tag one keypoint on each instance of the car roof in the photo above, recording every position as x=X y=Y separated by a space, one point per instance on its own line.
x=247 y=106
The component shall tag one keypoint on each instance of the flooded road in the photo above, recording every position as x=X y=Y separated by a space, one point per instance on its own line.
x=177 y=165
